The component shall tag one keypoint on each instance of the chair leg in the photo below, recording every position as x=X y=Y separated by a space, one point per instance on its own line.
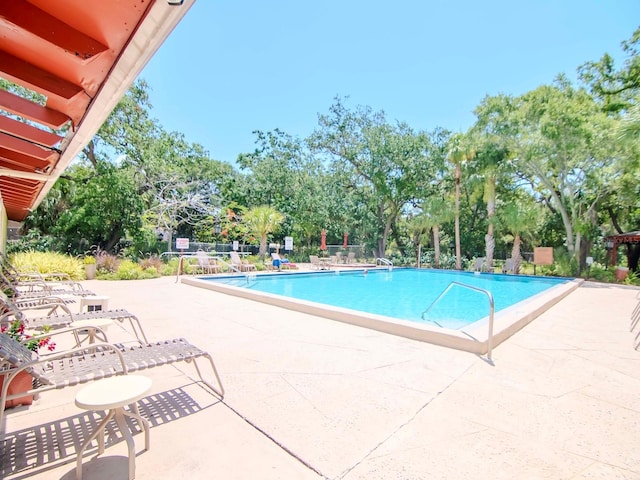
x=220 y=390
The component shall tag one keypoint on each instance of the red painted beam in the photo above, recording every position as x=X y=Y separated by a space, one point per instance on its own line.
x=47 y=27
x=22 y=146
x=36 y=78
x=28 y=132
x=32 y=111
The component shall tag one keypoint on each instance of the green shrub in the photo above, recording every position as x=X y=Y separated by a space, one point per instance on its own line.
x=130 y=270
x=600 y=273
x=151 y=262
x=48 y=262
x=633 y=278
x=170 y=268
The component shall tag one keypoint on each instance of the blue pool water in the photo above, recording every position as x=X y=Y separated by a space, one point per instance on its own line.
x=403 y=293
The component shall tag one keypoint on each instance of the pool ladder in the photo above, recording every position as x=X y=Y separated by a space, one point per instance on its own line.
x=491 y=309
x=384 y=261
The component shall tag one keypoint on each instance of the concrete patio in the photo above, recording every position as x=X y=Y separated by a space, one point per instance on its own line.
x=310 y=398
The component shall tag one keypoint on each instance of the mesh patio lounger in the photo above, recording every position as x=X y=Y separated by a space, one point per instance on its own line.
x=509 y=266
x=36 y=288
x=239 y=264
x=479 y=265
x=21 y=310
x=86 y=364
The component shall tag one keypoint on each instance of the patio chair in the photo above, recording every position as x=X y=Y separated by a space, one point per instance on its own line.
x=36 y=280
x=59 y=316
x=206 y=264
x=315 y=262
x=39 y=288
x=479 y=265
x=509 y=266
x=94 y=362
x=351 y=257
x=278 y=262
x=239 y=264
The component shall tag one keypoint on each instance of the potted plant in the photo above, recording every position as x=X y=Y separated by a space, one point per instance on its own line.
x=90 y=267
x=23 y=381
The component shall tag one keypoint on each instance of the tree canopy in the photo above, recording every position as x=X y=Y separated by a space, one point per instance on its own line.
x=568 y=152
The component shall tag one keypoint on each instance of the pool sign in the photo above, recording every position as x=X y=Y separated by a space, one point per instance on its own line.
x=288 y=243
x=182 y=243
x=236 y=245
x=543 y=256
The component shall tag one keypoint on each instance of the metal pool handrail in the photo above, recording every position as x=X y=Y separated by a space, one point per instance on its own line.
x=491 y=309
x=384 y=261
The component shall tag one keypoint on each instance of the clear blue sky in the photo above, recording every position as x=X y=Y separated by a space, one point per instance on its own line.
x=230 y=68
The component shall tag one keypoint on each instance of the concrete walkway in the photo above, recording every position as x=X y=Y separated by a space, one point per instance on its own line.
x=310 y=398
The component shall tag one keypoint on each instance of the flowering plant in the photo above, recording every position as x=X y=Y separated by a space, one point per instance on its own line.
x=16 y=330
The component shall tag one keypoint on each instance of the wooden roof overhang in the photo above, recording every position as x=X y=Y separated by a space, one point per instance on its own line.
x=614 y=241
x=628 y=238
x=82 y=56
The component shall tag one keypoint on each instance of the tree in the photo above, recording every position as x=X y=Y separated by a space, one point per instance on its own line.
x=492 y=163
x=519 y=217
x=562 y=148
x=283 y=173
x=158 y=176
x=262 y=221
x=435 y=212
x=617 y=89
x=104 y=208
x=459 y=152
x=390 y=165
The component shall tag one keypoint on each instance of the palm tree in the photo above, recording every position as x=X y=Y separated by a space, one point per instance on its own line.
x=262 y=221
x=458 y=153
x=491 y=160
x=520 y=220
x=437 y=212
x=629 y=128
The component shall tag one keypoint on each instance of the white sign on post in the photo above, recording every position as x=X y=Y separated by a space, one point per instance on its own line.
x=236 y=245
x=288 y=243
x=182 y=243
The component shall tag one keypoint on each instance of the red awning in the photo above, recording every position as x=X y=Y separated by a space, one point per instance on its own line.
x=81 y=56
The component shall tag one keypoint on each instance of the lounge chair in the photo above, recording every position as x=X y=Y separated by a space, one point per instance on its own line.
x=207 y=264
x=35 y=280
x=479 y=265
x=317 y=263
x=59 y=316
x=99 y=360
x=509 y=266
x=39 y=288
x=351 y=257
x=278 y=262
x=239 y=264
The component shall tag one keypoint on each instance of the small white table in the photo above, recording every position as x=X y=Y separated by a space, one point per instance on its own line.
x=90 y=326
x=91 y=303
x=114 y=394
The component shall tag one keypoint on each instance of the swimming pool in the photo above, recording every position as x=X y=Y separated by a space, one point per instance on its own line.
x=394 y=300
x=404 y=293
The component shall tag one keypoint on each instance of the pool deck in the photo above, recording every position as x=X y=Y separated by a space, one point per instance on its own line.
x=311 y=398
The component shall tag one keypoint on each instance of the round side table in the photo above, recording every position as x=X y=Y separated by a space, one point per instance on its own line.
x=113 y=394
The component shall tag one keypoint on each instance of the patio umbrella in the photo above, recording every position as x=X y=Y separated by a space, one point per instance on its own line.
x=346 y=237
x=323 y=241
